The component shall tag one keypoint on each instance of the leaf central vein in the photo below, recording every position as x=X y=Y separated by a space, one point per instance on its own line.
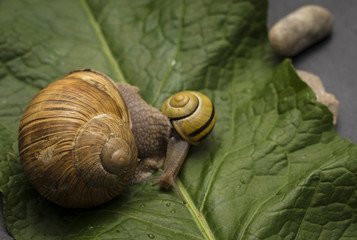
x=103 y=42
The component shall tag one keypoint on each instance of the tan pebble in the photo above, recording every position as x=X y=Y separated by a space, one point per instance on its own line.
x=300 y=29
x=322 y=96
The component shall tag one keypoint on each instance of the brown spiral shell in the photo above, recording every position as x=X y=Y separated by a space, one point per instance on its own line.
x=75 y=141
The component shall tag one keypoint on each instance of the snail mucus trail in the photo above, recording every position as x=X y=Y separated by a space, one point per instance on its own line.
x=83 y=138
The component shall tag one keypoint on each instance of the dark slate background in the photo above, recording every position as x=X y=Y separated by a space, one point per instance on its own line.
x=334 y=60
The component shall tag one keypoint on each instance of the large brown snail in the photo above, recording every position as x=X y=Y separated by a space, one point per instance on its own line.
x=83 y=138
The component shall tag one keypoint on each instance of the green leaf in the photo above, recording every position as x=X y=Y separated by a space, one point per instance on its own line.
x=273 y=168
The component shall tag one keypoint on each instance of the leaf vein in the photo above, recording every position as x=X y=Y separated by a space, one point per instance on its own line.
x=103 y=42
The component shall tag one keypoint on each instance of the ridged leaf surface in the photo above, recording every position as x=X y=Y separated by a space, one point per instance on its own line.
x=273 y=167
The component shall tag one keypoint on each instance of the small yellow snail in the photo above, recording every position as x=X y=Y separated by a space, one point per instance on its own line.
x=83 y=138
x=193 y=116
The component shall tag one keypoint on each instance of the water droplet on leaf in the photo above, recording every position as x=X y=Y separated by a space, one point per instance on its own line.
x=152 y=236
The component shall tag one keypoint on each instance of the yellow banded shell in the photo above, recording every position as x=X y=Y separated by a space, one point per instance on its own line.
x=191 y=113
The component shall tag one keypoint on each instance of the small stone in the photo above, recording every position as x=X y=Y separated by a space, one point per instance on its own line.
x=322 y=96
x=300 y=29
